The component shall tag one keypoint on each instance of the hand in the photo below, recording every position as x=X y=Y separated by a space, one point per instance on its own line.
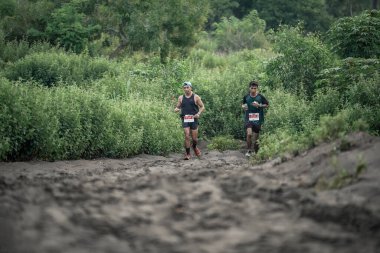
x=255 y=104
x=176 y=109
x=245 y=107
x=196 y=116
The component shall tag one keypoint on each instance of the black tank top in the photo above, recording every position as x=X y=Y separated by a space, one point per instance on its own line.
x=188 y=106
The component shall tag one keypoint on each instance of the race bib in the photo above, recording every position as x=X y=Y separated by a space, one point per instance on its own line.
x=188 y=118
x=253 y=116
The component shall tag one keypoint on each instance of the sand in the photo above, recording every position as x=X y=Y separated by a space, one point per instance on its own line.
x=219 y=203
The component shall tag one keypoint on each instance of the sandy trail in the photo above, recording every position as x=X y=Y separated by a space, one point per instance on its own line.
x=220 y=203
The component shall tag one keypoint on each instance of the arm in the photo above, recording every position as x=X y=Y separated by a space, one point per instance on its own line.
x=200 y=105
x=265 y=103
x=244 y=104
x=178 y=106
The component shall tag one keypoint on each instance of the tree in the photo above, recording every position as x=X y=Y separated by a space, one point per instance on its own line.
x=153 y=25
x=67 y=28
x=25 y=19
x=234 y=34
x=345 y=8
x=356 y=36
x=275 y=12
x=220 y=9
x=300 y=59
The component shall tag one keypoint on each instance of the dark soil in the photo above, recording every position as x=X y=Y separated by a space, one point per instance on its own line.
x=324 y=200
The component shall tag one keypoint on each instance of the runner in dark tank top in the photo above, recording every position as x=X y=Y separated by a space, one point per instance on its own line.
x=191 y=106
x=188 y=106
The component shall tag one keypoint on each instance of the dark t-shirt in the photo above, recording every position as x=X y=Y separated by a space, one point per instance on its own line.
x=253 y=114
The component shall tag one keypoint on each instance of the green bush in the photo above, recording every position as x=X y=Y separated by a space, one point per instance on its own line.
x=233 y=34
x=336 y=126
x=11 y=51
x=222 y=143
x=279 y=142
x=347 y=73
x=27 y=128
x=51 y=68
x=326 y=102
x=299 y=62
x=72 y=123
x=286 y=111
x=356 y=36
x=222 y=91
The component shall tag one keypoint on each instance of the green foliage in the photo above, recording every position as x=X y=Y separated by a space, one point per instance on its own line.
x=67 y=28
x=222 y=91
x=226 y=142
x=356 y=36
x=289 y=12
x=11 y=51
x=344 y=8
x=347 y=73
x=26 y=19
x=169 y=27
x=233 y=34
x=7 y=8
x=326 y=101
x=300 y=60
x=279 y=142
x=51 y=68
x=287 y=111
x=25 y=127
x=333 y=127
x=71 y=123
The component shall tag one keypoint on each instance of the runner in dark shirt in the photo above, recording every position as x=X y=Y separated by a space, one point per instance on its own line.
x=253 y=105
x=191 y=106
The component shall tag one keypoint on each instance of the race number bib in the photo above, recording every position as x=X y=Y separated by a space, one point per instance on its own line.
x=253 y=116
x=188 y=118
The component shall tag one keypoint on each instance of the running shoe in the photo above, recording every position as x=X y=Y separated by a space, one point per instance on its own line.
x=248 y=154
x=197 y=152
x=187 y=157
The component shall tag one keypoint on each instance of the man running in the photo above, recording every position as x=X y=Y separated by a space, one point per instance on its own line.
x=191 y=106
x=253 y=105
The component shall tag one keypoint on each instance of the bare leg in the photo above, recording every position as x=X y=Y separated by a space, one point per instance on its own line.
x=194 y=136
x=249 y=138
x=255 y=142
x=187 y=139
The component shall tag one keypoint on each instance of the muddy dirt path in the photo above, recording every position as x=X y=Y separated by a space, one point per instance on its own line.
x=220 y=203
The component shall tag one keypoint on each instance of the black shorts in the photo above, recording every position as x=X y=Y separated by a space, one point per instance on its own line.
x=192 y=125
x=255 y=127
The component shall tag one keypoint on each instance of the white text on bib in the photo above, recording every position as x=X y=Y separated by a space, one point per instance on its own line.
x=188 y=118
x=253 y=117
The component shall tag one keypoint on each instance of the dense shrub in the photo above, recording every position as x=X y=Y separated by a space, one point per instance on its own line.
x=232 y=34
x=356 y=36
x=11 y=51
x=52 y=68
x=27 y=128
x=327 y=101
x=222 y=91
x=348 y=72
x=345 y=121
x=224 y=142
x=287 y=111
x=299 y=62
x=71 y=123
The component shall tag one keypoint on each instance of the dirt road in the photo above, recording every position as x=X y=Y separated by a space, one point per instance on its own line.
x=220 y=203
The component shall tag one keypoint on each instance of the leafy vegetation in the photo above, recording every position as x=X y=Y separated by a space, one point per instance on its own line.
x=223 y=143
x=86 y=78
